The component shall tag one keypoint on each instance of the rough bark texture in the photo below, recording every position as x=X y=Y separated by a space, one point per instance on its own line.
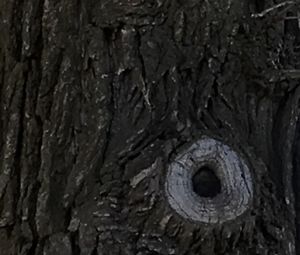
x=99 y=97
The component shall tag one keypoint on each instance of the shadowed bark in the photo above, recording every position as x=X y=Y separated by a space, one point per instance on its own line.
x=99 y=100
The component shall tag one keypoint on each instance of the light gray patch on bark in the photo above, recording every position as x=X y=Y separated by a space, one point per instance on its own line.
x=236 y=183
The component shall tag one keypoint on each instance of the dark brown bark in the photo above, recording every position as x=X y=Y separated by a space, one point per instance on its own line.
x=99 y=97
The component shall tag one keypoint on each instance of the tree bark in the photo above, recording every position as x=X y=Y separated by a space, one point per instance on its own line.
x=100 y=102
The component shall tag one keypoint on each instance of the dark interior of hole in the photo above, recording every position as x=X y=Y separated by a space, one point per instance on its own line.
x=206 y=183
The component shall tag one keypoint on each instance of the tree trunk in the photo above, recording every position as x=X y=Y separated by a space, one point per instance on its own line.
x=110 y=108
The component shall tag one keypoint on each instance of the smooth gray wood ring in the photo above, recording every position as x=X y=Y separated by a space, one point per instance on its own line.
x=236 y=183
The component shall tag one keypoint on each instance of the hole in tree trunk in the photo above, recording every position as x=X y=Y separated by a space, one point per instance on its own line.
x=206 y=183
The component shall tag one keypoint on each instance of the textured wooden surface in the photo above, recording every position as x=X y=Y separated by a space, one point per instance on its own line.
x=237 y=185
x=99 y=97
